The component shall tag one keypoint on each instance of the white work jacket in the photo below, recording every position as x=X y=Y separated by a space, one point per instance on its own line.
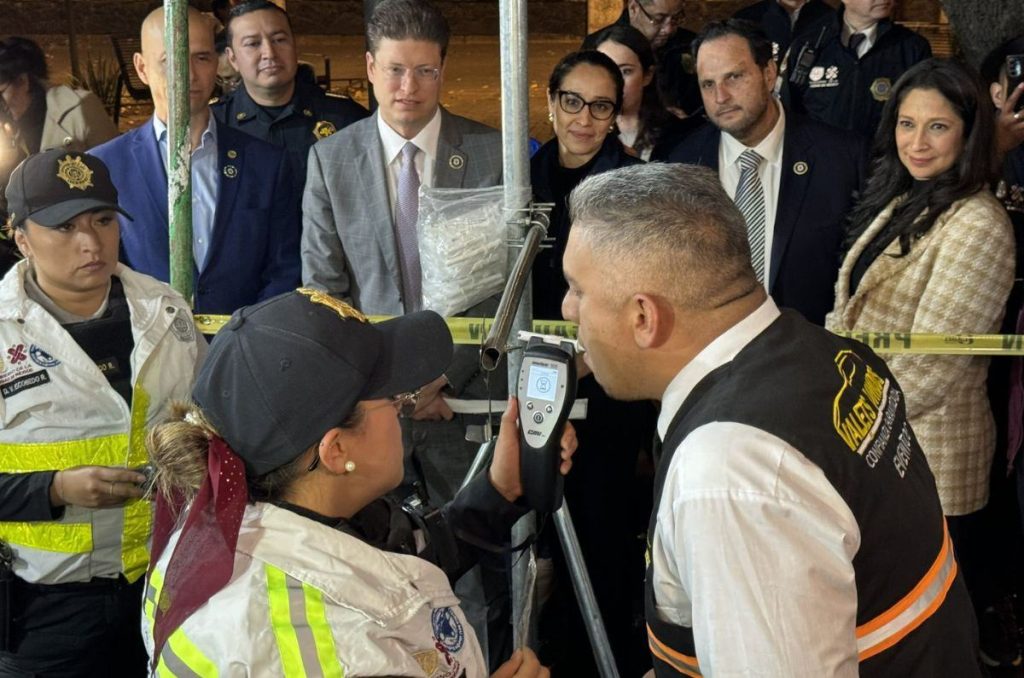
x=308 y=600
x=58 y=411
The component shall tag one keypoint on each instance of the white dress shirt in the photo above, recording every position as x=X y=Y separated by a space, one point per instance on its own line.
x=770 y=173
x=205 y=186
x=870 y=35
x=393 y=143
x=754 y=546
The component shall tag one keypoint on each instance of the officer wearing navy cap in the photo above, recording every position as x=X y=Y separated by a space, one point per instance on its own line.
x=272 y=104
x=91 y=353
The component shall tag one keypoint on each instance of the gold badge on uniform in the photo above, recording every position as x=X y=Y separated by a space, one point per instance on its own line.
x=74 y=172
x=881 y=88
x=337 y=305
x=324 y=129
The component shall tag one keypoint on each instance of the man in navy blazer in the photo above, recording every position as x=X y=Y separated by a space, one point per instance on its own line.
x=809 y=170
x=246 y=223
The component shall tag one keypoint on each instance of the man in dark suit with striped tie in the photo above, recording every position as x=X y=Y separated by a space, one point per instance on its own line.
x=793 y=179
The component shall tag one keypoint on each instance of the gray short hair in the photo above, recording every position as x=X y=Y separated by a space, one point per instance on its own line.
x=669 y=228
x=407 y=20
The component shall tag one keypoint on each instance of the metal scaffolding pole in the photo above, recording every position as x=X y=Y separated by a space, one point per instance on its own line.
x=515 y=131
x=179 y=146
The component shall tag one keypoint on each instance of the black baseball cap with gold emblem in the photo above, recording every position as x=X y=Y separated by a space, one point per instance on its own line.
x=55 y=186
x=283 y=372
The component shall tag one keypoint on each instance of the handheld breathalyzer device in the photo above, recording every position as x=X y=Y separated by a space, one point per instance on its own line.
x=547 y=391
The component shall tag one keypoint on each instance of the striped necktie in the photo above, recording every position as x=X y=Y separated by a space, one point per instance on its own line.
x=750 y=201
x=406 y=237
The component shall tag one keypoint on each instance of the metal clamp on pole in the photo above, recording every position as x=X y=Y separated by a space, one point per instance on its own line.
x=496 y=344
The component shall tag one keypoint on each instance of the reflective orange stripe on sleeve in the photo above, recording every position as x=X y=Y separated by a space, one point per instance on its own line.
x=682 y=663
x=913 y=609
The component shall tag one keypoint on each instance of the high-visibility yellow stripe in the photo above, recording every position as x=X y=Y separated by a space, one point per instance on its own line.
x=281 y=623
x=138 y=515
x=57 y=456
x=114 y=450
x=474 y=330
x=316 y=616
x=49 y=536
x=190 y=655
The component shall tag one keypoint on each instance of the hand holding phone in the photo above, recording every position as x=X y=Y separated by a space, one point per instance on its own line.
x=1014 y=77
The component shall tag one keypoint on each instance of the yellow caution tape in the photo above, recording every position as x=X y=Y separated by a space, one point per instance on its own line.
x=473 y=331
x=941 y=344
x=470 y=331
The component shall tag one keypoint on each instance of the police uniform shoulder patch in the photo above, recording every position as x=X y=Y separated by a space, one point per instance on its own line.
x=183 y=327
x=74 y=172
x=448 y=629
x=881 y=88
x=337 y=305
x=41 y=357
x=324 y=129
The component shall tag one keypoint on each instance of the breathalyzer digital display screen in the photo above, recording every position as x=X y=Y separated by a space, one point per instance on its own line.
x=541 y=383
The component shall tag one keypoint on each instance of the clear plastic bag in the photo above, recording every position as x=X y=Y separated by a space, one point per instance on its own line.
x=463 y=247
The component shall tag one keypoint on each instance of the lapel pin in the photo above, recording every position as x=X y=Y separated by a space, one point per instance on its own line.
x=324 y=129
x=308 y=113
x=67 y=140
x=456 y=162
x=240 y=116
x=232 y=154
x=230 y=171
x=800 y=168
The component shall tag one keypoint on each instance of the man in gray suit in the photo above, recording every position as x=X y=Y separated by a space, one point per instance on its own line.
x=359 y=239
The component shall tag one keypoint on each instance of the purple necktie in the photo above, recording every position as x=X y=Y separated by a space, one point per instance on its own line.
x=406 y=212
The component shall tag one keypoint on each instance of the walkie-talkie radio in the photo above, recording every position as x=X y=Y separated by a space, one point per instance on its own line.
x=547 y=391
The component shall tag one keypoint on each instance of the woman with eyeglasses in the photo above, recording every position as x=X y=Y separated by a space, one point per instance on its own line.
x=585 y=94
x=274 y=550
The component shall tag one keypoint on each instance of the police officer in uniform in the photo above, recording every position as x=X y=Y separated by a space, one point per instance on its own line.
x=93 y=353
x=840 y=71
x=272 y=104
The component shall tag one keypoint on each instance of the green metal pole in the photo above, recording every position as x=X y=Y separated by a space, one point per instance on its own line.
x=179 y=146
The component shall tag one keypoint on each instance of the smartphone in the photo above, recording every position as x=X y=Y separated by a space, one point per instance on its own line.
x=1015 y=76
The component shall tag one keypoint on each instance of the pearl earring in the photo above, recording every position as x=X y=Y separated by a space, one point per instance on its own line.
x=350 y=466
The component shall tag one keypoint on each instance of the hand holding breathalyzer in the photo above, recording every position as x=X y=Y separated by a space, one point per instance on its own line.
x=504 y=473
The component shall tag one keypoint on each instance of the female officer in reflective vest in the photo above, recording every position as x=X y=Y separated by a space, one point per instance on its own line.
x=90 y=354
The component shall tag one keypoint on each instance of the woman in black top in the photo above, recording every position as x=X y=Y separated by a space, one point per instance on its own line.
x=584 y=96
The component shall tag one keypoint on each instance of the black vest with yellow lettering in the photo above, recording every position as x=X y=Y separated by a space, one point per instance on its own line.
x=837 y=403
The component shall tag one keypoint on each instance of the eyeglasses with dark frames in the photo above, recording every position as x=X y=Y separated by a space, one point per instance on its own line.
x=404 y=404
x=571 y=102
x=662 y=19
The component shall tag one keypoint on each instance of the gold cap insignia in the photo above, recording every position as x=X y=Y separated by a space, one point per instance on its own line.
x=324 y=129
x=74 y=172
x=230 y=171
x=337 y=305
